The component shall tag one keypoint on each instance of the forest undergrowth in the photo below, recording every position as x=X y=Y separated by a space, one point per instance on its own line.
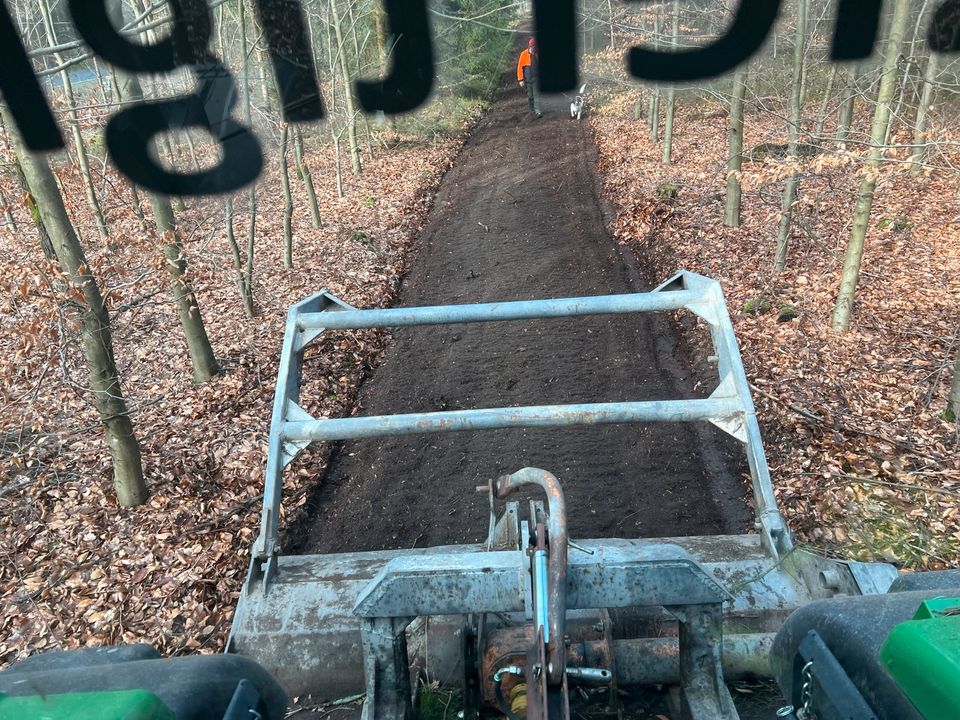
x=863 y=461
x=76 y=569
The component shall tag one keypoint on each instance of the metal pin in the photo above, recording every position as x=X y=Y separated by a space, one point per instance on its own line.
x=572 y=544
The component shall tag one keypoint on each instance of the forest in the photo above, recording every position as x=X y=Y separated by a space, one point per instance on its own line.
x=142 y=331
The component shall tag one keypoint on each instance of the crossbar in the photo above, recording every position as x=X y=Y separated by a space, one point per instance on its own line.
x=516 y=417
x=492 y=312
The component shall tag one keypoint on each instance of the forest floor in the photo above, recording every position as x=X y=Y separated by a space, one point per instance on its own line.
x=76 y=569
x=864 y=464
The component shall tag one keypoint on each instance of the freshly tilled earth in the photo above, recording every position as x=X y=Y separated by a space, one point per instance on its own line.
x=519 y=217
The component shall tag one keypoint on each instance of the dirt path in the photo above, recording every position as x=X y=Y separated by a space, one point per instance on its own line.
x=518 y=217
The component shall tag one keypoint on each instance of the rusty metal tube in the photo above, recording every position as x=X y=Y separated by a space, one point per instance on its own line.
x=556 y=563
x=656 y=661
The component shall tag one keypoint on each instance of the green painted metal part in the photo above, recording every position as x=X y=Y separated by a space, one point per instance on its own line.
x=118 y=705
x=923 y=656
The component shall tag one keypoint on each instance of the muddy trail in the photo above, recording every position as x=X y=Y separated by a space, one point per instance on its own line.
x=519 y=217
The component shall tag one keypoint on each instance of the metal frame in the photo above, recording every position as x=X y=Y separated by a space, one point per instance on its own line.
x=729 y=407
x=726 y=594
x=493 y=582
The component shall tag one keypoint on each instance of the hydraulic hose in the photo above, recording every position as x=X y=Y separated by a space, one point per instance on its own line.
x=502 y=703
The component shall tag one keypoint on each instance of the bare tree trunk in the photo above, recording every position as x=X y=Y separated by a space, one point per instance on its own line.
x=221 y=40
x=302 y=167
x=193 y=150
x=265 y=89
x=251 y=238
x=100 y=84
x=164 y=146
x=380 y=29
x=653 y=118
x=202 y=359
x=731 y=217
x=135 y=202
x=7 y=213
x=920 y=134
x=671 y=93
x=825 y=104
x=243 y=285
x=337 y=165
x=610 y=21
x=338 y=169
x=304 y=171
x=347 y=90
x=358 y=67
x=96 y=338
x=204 y=362
x=861 y=214
x=82 y=160
x=846 y=107
x=909 y=62
x=246 y=269
x=287 y=199
x=953 y=402
x=134 y=193
x=383 y=56
x=796 y=111
x=46 y=244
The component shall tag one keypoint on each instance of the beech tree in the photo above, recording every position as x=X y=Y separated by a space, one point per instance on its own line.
x=878 y=133
x=80 y=148
x=671 y=93
x=97 y=342
x=202 y=358
x=793 y=145
x=653 y=115
x=287 y=198
x=920 y=126
x=339 y=53
x=953 y=403
x=303 y=170
x=731 y=216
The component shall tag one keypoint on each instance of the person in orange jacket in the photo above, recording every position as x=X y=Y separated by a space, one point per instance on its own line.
x=527 y=70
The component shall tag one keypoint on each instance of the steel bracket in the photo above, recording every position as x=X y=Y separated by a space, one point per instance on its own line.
x=703 y=694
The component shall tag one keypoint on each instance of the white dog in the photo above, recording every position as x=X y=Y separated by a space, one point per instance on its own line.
x=576 y=105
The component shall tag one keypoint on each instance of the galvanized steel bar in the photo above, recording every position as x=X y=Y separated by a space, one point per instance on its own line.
x=695 y=293
x=776 y=534
x=495 y=418
x=288 y=391
x=490 y=312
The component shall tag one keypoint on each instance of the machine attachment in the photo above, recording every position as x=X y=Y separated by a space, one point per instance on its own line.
x=517 y=621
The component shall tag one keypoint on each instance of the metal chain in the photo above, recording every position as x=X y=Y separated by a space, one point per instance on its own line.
x=806 y=694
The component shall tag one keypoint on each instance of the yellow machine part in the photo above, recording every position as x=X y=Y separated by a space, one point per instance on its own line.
x=518 y=699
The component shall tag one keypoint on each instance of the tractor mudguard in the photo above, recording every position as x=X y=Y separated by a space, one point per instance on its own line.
x=854 y=629
x=192 y=688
